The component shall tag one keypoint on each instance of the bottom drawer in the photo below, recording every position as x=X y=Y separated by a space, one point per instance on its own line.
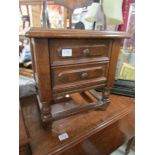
x=78 y=76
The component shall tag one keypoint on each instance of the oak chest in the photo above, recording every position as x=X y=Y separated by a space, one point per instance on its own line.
x=68 y=62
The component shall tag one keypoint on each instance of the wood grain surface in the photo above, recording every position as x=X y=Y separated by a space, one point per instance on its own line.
x=92 y=133
x=69 y=33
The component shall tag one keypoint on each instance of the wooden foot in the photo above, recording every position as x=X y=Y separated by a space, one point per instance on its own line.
x=104 y=98
x=105 y=95
x=45 y=111
x=46 y=116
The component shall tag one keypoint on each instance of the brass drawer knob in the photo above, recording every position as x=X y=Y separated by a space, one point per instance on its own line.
x=84 y=75
x=86 y=52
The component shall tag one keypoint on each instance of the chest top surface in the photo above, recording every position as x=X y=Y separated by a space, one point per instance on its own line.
x=68 y=33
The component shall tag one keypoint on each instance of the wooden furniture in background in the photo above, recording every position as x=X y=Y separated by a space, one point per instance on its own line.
x=70 y=5
x=26 y=72
x=70 y=61
x=25 y=18
x=35 y=15
x=91 y=133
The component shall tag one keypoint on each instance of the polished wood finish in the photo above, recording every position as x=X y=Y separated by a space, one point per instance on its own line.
x=61 y=33
x=112 y=68
x=26 y=72
x=83 y=51
x=90 y=64
x=42 y=76
x=77 y=76
x=33 y=2
x=91 y=133
x=24 y=137
x=43 y=71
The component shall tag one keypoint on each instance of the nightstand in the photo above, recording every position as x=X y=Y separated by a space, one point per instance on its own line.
x=69 y=62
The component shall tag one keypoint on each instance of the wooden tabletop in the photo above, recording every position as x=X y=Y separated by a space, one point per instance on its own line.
x=78 y=127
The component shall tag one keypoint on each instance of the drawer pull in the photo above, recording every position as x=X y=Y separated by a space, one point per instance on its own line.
x=86 y=52
x=84 y=75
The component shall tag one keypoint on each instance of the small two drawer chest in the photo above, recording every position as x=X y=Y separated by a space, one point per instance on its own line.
x=70 y=61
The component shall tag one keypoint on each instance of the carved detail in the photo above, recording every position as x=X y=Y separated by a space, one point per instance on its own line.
x=46 y=109
x=106 y=93
x=46 y=116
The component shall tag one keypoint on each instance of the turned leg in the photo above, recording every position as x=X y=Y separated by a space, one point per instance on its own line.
x=105 y=95
x=46 y=115
x=45 y=111
x=104 y=99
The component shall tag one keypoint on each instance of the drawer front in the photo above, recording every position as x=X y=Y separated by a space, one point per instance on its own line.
x=76 y=75
x=70 y=51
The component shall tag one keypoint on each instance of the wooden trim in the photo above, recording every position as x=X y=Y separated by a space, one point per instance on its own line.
x=60 y=33
x=34 y=2
x=26 y=72
x=43 y=70
x=114 y=58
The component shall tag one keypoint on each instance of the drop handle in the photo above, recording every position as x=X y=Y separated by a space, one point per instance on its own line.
x=86 y=52
x=84 y=75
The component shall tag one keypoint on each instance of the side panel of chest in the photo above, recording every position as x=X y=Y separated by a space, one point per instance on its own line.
x=42 y=72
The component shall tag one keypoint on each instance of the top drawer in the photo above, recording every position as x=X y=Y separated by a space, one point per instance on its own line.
x=71 y=51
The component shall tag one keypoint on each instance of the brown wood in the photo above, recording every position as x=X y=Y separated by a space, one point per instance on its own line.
x=69 y=18
x=61 y=33
x=65 y=18
x=78 y=98
x=43 y=72
x=73 y=77
x=33 y=2
x=23 y=133
x=90 y=64
x=112 y=67
x=24 y=138
x=83 y=50
x=32 y=55
x=90 y=96
x=26 y=72
x=91 y=133
x=43 y=76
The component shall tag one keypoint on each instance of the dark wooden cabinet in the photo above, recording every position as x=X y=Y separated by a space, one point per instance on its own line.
x=71 y=61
